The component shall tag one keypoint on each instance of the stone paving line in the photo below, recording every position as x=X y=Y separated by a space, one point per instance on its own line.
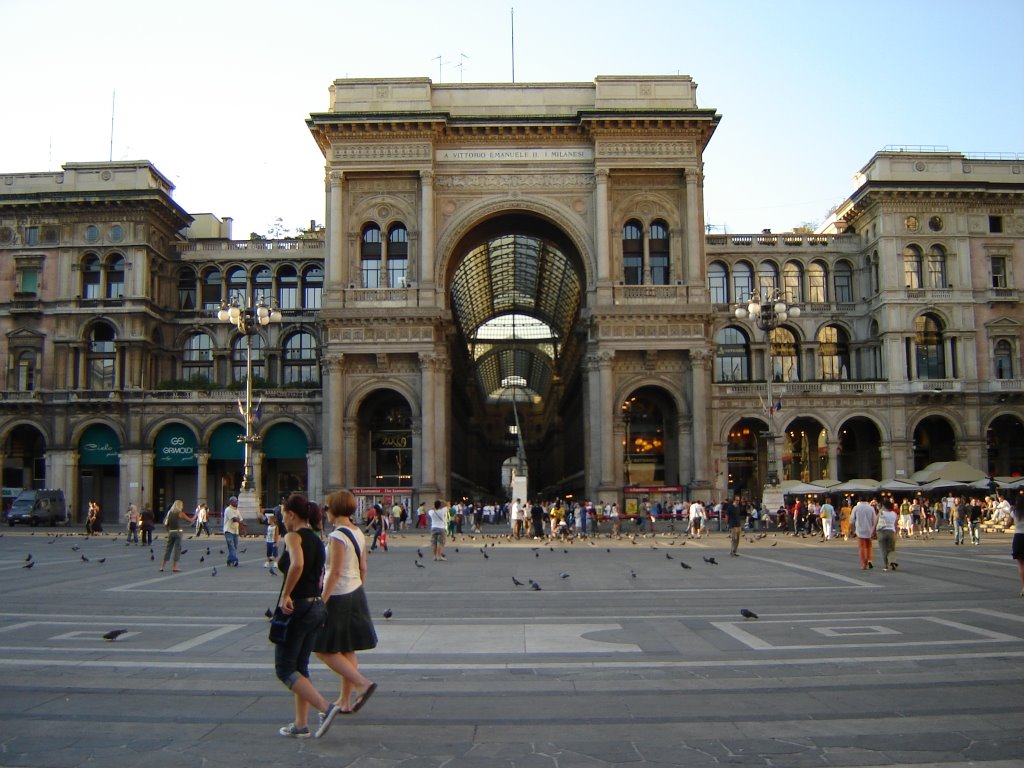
x=552 y=711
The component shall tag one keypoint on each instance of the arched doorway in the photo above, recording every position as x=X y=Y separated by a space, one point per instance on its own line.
x=175 y=468
x=99 y=470
x=385 y=440
x=805 y=451
x=516 y=285
x=24 y=461
x=934 y=440
x=859 y=452
x=1005 y=437
x=746 y=453
x=284 y=462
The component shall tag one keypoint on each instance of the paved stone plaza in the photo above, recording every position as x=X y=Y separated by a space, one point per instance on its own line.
x=630 y=659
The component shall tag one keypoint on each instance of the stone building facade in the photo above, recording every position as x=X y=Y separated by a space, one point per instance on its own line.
x=509 y=272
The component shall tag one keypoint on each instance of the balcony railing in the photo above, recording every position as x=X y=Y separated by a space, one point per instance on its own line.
x=249 y=245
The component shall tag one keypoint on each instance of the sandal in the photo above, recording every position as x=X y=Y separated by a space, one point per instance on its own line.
x=363 y=698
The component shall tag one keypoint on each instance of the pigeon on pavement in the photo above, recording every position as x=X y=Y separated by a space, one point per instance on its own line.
x=710 y=561
x=388 y=613
x=113 y=634
x=517 y=582
x=684 y=565
x=747 y=614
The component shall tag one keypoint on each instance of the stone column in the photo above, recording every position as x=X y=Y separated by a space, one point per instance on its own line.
x=601 y=222
x=202 y=457
x=257 y=478
x=426 y=254
x=314 y=476
x=332 y=368
x=647 y=255
x=335 y=266
x=700 y=402
x=833 y=456
x=694 y=225
x=348 y=459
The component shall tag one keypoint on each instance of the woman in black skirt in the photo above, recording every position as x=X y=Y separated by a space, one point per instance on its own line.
x=349 y=627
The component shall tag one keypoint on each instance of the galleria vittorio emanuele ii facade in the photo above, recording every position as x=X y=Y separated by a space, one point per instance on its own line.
x=512 y=280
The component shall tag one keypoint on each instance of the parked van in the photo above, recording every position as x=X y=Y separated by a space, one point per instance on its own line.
x=35 y=507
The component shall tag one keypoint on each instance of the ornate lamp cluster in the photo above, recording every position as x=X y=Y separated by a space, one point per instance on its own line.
x=768 y=313
x=248 y=318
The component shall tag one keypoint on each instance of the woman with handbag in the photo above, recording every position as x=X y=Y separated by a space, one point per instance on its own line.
x=302 y=565
x=349 y=627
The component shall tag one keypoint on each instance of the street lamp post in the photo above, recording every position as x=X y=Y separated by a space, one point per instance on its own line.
x=768 y=313
x=248 y=318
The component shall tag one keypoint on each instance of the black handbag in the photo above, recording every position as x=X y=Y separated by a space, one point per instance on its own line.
x=279 y=621
x=279 y=626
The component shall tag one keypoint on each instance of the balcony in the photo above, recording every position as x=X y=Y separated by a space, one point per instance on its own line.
x=640 y=295
x=1002 y=295
x=784 y=241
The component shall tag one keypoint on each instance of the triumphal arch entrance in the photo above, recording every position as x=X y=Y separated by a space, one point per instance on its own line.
x=515 y=282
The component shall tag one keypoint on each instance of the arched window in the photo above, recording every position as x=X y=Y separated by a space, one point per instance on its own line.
x=817 y=283
x=197 y=359
x=262 y=285
x=213 y=292
x=767 y=278
x=718 y=283
x=300 y=363
x=732 y=355
x=91 y=277
x=370 y=254
x=633 y=253
x=937 y=267
x=398 y=256
x=287 y=288
x=842 y=277
x=312 y=287
x=785 y=355
x=833 y=353
x=792 y=282
x=1003 y=360
x=101 y=357
x=238 y=356
x=742 y=281
x=871 y=355
x=658 y=250
x=26 y=372
x=928 y=347
x=115 y=276
x=912 y=266
x=875 y=279
x=187 y=289
x=238 y=286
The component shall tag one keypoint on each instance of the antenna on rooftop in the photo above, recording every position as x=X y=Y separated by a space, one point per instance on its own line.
x=461 y=65
x=113 y=100
x=513 y=15
x=440 y=64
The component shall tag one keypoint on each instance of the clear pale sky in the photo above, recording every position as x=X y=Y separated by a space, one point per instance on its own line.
x=216 y=93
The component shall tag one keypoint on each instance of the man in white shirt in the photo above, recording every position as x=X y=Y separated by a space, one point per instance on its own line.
x=517 y=515
x=232 y=517
x=697 y=517
x=828 y=514
x=863 y=520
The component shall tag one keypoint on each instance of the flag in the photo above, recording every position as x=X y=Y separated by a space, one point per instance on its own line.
x=241 y=409
x=256 y=411
x=778 y=405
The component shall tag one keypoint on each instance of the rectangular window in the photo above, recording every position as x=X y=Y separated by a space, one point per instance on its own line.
x=32 y=235
x=659 y=269
x=844 y=287
x=719 y=290
x=371 y=273
x=311 y=296
x=28 y=281
x=288 y=297
x=995 y=224
x=998 y=267
x=633 y=268
x=397 y=272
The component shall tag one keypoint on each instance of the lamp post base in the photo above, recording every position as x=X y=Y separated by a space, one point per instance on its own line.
x=249 y=506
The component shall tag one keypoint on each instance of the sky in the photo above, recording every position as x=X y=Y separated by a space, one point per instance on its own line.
x=216 y=93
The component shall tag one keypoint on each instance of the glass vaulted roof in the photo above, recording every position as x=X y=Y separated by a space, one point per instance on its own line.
x=516 y=298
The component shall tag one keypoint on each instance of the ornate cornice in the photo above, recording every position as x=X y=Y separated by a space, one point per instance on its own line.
x=505 y=181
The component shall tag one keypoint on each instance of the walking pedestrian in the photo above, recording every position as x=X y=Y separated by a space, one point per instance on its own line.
x=232 y=518
x=886 y=528
x=438 y=528
x=202 y=515
x=348 y=627
x=302 y=564
x=173 y=524
x=146 y=524
x=863 y=520
x=1017 y=547
x=133 y=523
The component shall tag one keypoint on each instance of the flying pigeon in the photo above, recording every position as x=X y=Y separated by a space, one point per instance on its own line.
x=517 y=582
x=113 y=634
x=747 y=614
x=388 y=613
